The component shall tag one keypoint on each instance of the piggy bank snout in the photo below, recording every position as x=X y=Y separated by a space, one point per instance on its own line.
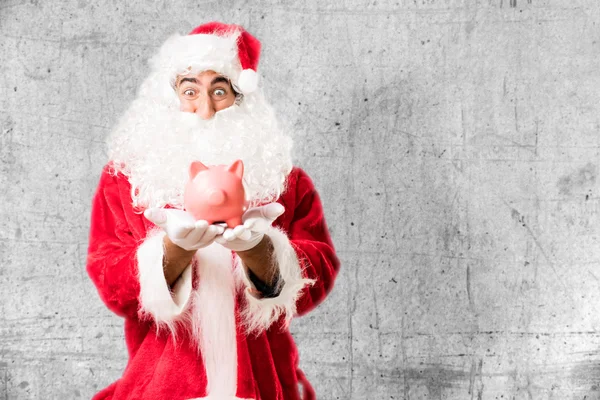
x=216 y=197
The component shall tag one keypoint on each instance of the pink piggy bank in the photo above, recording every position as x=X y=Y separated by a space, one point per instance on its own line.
x=216 y=193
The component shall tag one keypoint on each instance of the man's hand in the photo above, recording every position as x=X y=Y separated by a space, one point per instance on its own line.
x=182 y=229
x=183 y=237
x=252 y=245
x=255 y=223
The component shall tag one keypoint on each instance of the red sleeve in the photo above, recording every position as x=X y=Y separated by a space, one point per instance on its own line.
x=310 y=238
x=115 y=234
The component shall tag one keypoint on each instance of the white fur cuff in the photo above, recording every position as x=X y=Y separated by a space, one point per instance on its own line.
x=261 y=313
x=156 y=298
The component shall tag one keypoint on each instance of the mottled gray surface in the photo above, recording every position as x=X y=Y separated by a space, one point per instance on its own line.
x=456 y=148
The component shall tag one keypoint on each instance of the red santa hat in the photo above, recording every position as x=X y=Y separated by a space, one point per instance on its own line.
x=248 y=51
x=224 y=48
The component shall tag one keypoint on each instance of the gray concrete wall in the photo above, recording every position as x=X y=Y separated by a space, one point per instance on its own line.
x=455 y=144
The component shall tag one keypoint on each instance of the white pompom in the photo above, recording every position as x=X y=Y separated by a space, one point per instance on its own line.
x=248 y=81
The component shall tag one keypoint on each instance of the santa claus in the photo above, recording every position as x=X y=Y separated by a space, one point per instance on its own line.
x=207 y=308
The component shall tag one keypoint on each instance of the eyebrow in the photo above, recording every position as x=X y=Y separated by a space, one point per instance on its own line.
x=193 y=80
x=217 y=79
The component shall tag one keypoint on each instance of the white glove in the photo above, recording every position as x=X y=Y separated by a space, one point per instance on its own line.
x=181 y=227
x=255 y=222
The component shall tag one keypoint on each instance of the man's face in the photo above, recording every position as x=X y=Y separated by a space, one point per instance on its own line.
x=204 y=93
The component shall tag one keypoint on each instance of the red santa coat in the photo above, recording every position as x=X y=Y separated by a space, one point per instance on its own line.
x=208 y=336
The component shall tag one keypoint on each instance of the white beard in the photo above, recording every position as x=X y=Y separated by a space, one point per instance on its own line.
x=154 y=145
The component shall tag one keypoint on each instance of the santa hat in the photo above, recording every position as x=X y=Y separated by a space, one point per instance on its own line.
x=224 y=48
x=248 y=51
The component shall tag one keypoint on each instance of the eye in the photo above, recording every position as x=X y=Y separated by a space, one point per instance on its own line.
x=189 y=92
x=219 y=92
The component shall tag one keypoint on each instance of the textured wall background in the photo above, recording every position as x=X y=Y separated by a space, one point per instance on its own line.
x=455 y=144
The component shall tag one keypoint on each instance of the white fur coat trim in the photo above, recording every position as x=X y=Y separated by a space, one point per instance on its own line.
x=155 y=296
x=213 y=320
x=259 y=314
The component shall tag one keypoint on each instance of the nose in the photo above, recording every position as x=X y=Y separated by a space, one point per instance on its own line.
x=206 y=108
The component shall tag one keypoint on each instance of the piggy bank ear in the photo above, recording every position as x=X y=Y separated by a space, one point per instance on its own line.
x=237 y=168
x=196 y=167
